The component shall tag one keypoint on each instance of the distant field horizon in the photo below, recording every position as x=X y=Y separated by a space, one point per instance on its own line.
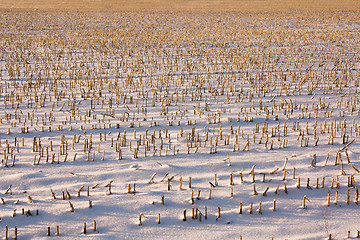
x=185 y=5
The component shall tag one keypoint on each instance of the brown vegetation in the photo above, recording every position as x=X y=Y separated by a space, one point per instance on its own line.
x=185 y=5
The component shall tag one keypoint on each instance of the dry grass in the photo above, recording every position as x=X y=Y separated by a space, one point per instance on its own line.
x=186 y=5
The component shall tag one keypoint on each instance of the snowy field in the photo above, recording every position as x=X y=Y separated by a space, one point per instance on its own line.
x=179 y=126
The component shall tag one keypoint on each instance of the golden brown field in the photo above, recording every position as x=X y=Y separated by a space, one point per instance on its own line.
x=186 y=5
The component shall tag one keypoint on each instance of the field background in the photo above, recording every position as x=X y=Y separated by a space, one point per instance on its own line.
x=185 y=5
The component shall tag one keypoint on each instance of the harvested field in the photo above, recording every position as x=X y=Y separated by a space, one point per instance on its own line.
x=178 y=120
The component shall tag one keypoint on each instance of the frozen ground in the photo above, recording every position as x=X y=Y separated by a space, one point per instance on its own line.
x=116 y=98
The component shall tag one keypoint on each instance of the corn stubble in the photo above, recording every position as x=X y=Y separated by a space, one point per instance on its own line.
x=129 y=88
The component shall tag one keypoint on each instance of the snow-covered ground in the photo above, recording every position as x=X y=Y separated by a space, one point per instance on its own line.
x=144 y=102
